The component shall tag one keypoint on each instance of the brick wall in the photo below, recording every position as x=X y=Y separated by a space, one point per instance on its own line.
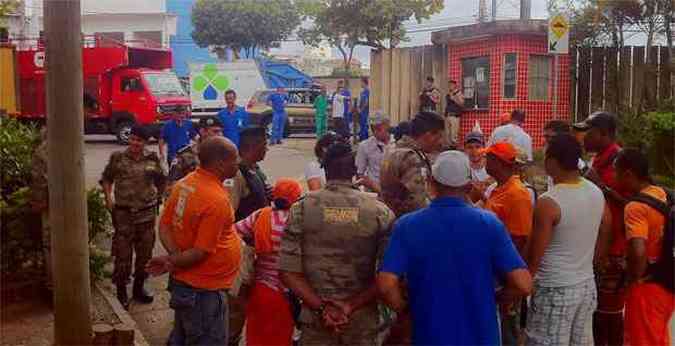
x=538 y=112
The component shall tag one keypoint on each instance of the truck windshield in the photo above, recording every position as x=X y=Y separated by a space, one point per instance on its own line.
x=164 y=84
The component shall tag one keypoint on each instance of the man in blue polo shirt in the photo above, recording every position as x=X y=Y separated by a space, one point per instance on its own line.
x=176 y=134
x=233 y=117
x=363 y=109
x=277 y=101
x=450 y=255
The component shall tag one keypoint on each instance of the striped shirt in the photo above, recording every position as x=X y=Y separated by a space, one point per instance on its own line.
x=266 y=265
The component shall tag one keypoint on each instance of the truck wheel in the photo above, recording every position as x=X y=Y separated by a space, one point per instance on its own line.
x=123 y=131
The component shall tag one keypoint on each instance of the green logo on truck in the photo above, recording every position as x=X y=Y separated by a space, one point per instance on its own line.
x=210 y=82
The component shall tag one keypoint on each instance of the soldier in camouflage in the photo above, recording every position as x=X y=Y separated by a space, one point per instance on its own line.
x=329 y=253
x=139 y=181
x=187 y=158
x=405 y=167
x=40 y=201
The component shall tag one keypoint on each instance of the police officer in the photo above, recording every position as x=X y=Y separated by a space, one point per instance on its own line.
x=138 y=181
x=251 y=186
x=40 y=202
x=402 y=177
x=187 y=158
x=328 y=256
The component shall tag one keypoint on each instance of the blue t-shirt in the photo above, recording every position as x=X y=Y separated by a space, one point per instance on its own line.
x=450 y=254
x=365 y=97
x=176 y=137
x=278 y=101
x=233 y=123
x=348 y=101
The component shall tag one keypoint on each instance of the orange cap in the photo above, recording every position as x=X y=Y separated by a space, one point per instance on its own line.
x=505 y=118
x=505 y=151
x=287 y=189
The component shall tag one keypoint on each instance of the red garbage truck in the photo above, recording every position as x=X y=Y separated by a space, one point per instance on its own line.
x=124 y=84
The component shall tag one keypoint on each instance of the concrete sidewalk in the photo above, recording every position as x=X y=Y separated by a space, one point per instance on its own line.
x=156 y=320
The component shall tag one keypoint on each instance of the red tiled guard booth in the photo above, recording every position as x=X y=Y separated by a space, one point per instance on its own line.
x=494 y=40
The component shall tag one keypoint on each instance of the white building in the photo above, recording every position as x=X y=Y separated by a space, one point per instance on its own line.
x=135 y=21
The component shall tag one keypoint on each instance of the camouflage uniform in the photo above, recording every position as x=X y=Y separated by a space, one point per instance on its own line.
x=402 y=178
x=335 y=237
x=138 y=186
x=40 y=194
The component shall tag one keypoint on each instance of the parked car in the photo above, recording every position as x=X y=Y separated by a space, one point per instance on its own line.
x=300 y=110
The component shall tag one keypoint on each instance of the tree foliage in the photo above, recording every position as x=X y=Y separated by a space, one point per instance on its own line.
x=9 y=6
x=243 y=24
x=607 y=22
x=346 y=24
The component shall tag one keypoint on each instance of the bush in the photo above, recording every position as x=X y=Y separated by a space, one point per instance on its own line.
x=653 y=133
x=100 y=225
x=21 y=233
x=21 y=238
x=17 y=143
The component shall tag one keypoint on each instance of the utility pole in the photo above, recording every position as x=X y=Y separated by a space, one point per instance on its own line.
x=494 y=10
x=67 y=199
x=525 y=9
x=482 y=11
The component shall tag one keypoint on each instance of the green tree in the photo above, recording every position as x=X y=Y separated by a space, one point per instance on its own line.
x=346 y=24
x=8 y=6
x=243 y=24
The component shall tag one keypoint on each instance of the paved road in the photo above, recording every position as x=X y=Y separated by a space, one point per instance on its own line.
x=286 y=160
x=155 y=320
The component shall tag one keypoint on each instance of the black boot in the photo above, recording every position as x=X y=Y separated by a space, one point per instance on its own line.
x=123 y=296
x=140 y=293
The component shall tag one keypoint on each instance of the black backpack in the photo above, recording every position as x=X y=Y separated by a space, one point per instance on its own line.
x=661 y=272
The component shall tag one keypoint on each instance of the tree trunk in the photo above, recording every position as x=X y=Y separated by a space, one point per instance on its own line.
x=668 y=20
x=67 y=197
x=345 y=58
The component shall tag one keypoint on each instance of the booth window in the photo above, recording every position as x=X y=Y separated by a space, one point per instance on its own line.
x=476 y=82
x=510 y=73
x=539 y=76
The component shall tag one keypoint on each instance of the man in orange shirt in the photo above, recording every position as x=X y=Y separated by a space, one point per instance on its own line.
x=196 y=229
x=512 y=204
x=649 y=305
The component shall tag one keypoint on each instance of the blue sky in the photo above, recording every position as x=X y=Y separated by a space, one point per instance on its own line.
x=456 y=12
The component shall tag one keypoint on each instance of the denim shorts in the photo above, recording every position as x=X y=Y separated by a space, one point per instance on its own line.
x=201 y=316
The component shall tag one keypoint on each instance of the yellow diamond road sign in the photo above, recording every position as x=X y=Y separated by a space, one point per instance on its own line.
x=559 y=26
x=558 y=34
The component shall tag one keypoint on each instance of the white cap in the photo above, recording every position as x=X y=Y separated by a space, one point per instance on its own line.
x=452 y=169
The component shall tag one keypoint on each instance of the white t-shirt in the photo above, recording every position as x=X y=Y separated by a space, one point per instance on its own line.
x=313 y=170
x=568 y=259
x=338 y=105
x=515 y=135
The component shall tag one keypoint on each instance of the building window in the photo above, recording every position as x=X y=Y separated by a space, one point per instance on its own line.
x=476 y=82
x=510 y=75
x=539 y=75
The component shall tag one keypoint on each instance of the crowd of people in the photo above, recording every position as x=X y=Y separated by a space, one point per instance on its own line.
x=417 y=239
